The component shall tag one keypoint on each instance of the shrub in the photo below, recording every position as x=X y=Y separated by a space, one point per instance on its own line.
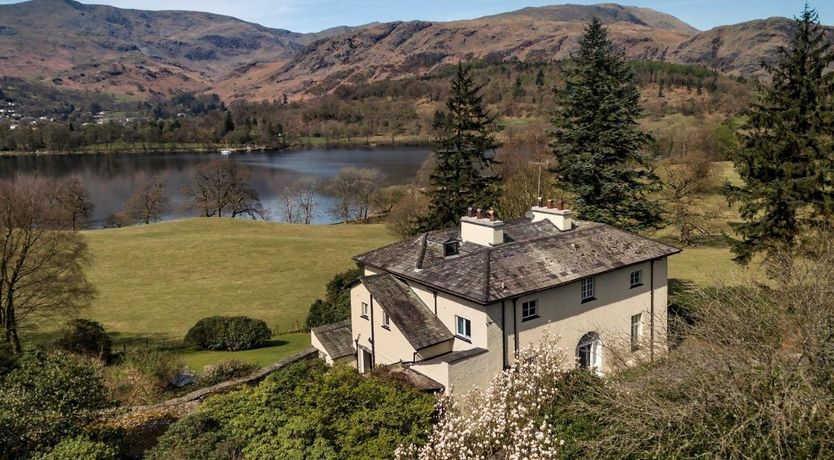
x=80 y=448
x=144 y=376
x=226 y=370
x=7 y=358
x=86 y=337
x=305 y=410
x=45 y=398
x=231 y=333
x=336 y=304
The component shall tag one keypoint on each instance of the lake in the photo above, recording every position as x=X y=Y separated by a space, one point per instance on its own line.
x=110 y=179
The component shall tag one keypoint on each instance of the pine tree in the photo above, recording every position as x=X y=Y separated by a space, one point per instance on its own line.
x=599 y=148
x=787 y=158
x=463 y=175
x=540 y=78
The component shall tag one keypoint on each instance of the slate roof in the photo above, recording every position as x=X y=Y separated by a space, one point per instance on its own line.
x=411 y=316
x=336 y=338
x=534 y=256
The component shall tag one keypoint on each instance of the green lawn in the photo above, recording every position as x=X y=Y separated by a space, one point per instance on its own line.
x=281 y=346
x=156 y=281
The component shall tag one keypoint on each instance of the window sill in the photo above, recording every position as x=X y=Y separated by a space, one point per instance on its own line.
x=385 y=327
x=465 y=339
x=589 y=299
x=636 y=285
x=364 y=316
x=529 y=318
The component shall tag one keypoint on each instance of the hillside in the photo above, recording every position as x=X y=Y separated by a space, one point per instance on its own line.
x=141 y=54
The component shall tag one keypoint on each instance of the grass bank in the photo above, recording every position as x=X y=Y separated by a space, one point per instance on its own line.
x=155 y=281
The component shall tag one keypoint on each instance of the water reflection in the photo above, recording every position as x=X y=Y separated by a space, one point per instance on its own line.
x=110 y=179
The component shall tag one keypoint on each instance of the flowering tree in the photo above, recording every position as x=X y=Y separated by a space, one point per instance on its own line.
x=505 y=420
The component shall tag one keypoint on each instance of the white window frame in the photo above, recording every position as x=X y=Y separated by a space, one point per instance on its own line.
x=365 y=310
x=466 y=334
x=386 y=319
x=639 y=278
x=529 y=310
x=587 y=289
x=636 y=330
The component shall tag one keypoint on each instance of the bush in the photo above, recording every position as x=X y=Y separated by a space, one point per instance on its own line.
x=7 y=359
x=46 y=398
x=231 y=333
x=226 y=370
x=336 y=305
x=80 y=448
x=86 y=337
x=305 y=410
x=145 y=376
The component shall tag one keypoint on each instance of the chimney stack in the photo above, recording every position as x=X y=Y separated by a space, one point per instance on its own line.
x=558 y=215
x=481 y=227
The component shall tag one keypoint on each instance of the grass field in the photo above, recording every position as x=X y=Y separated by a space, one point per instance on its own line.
x=156 y=281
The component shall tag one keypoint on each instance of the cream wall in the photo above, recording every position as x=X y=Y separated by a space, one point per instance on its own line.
x=561 y=312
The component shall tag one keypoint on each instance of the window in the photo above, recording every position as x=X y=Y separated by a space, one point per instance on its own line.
x=365 y=310
x=463 y=327
x=529 y=310
x=636 y=278
x=386 y=320
x=636 y=322
x=587 y=286
x=451 y=248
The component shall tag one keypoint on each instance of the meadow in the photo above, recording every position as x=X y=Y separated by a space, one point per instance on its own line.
x=155 y=281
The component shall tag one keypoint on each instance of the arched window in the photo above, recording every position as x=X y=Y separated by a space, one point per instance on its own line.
x=589 y=352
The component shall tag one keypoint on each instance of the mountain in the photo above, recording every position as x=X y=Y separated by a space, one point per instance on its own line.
x=391 y=50
x=738 y=49
x=143 y=53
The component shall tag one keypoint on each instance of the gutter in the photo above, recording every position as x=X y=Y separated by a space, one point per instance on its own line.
x=651 y=290
x=373 y=342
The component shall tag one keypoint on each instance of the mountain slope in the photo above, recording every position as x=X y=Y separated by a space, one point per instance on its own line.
x=738 y=49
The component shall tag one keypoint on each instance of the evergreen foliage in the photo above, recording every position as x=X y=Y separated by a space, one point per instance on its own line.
x=462 y=176
x=786 y=158
x=336 y=304
x=233 y=333
x=306 y=410
x=597 y=142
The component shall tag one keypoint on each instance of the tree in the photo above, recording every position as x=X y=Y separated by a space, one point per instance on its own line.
x=353 y=190
x=786 y=159
x=222 y=186
x=336 y=304
x=148 y=202
x=41 y=264
x=599 y=148
x=685 y=179
x=73 y=200
x=462 y=176
x=298 y=200
x=540 y=78
x=47 y=397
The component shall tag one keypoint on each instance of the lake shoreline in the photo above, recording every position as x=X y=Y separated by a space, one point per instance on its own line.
x=326 y=144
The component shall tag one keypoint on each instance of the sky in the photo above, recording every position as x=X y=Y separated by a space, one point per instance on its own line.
x=316 y=15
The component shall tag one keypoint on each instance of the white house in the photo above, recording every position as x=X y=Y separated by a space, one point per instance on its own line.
x=454 y=305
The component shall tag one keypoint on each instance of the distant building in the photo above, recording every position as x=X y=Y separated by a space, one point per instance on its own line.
x=455 y=305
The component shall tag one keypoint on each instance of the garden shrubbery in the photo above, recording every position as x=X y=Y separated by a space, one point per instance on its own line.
x=80 y=448
x=46 y=398
x=306 y=410
x=336 y=304
x=232 y=333
x=86 y=337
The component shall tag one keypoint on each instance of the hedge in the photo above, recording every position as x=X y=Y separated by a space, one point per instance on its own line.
x=231 y=333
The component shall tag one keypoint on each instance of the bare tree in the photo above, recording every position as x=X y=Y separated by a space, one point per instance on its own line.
x=72 y=199
x=685 y=179
x=222 y=186
x=148 y=202
x=353 y=190
x=298 y=200
x=41 y=264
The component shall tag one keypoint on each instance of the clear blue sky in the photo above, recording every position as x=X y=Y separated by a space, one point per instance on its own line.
x=315 y=15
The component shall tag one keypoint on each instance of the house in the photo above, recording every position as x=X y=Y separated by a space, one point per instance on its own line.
x=455 y=305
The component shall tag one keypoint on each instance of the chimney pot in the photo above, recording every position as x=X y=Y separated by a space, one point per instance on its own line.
x=480 y=214
x=549 y=204
x=540 y=202
x=470 y=211
x=491 y=214
x=560 y=205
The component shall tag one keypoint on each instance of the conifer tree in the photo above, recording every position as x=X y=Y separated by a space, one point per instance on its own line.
x=599 y=148
x=463 y=174
x=786 y=157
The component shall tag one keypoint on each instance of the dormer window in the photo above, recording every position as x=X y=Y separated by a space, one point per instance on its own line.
x=451 y=248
